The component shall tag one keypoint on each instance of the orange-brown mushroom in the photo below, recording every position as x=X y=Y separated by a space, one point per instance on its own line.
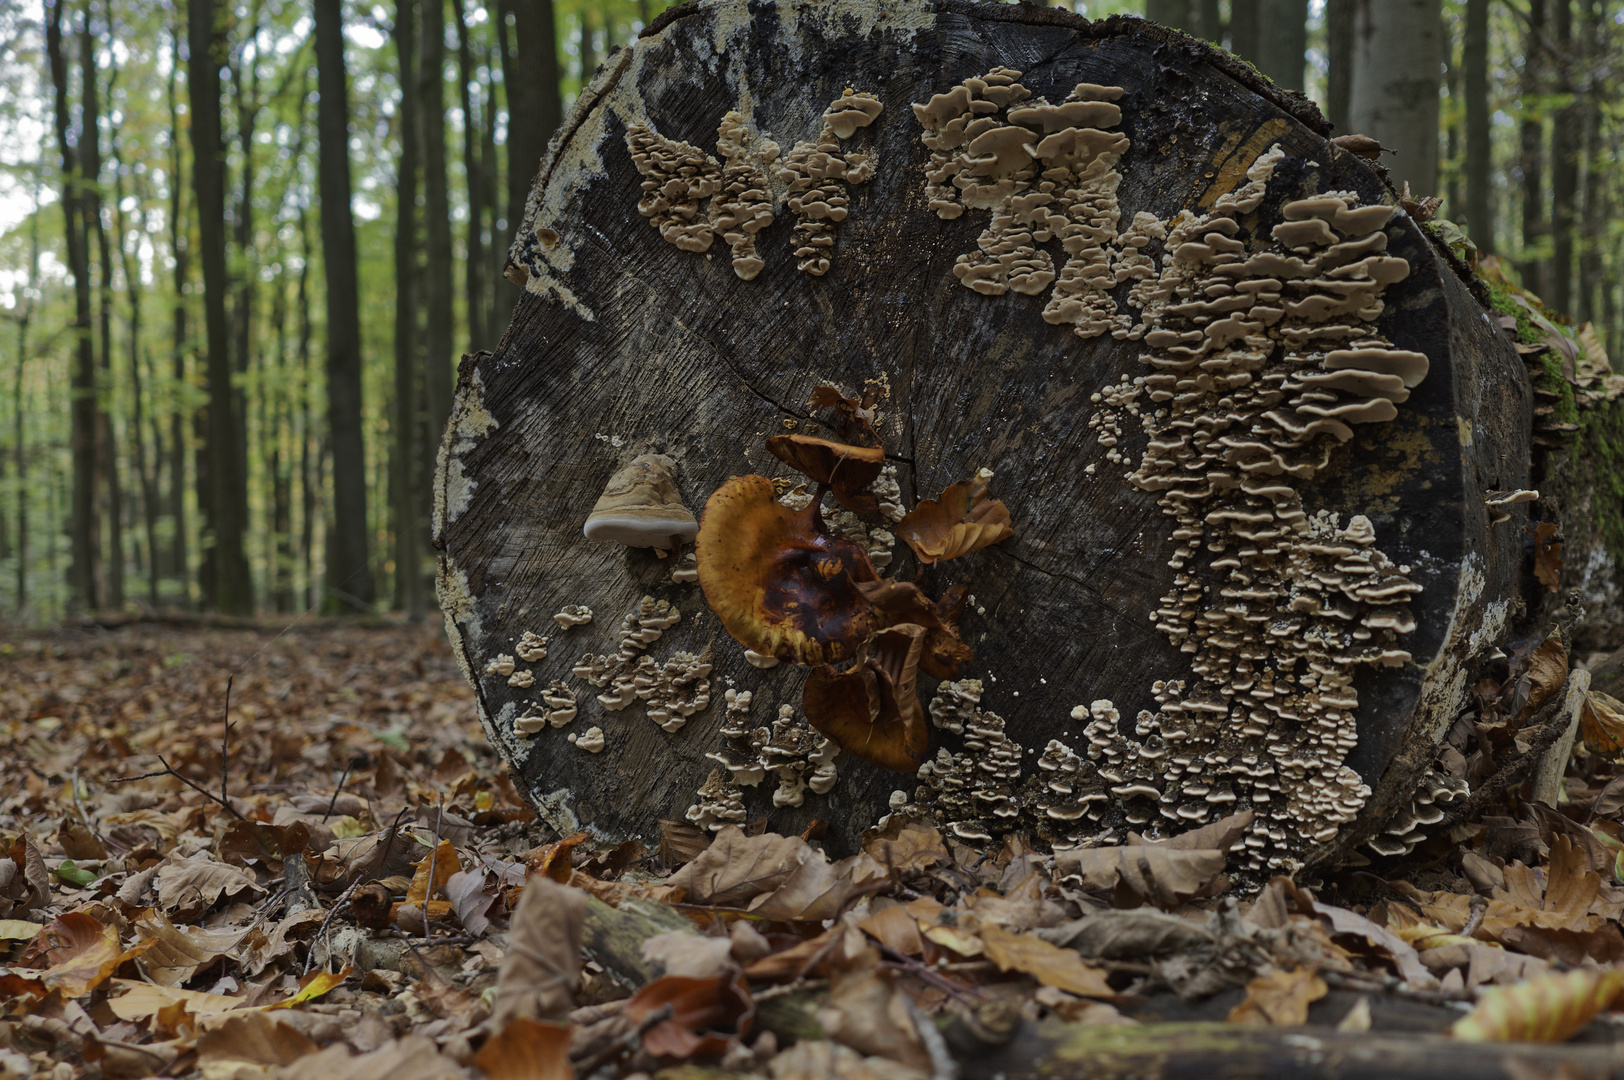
x=846 y=469
x=854 y=420
x=780 y=585
x=963 y=520
x=872 y=710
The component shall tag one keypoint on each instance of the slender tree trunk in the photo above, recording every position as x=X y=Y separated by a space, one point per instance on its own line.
x=229 y=587
x=530 y=74
x=1282 y=45
x=1565 y=142
x=1243 y=28
x=83 y=571
x=1338 y=60
x=1593 y=208
x=348 y=573
x=439 y=349
x=90 y=170
x=244 y=263
x=1451 y=166
x=589 y=48
x=1532 y=153
x=475 y=272
x=132 y=286
x=309 y=488
x=1479 y=136
x=180 y=251
x=490 y=175
x=408 y=471
x=1394 y=94
x=19 y=444
x=1174 y=13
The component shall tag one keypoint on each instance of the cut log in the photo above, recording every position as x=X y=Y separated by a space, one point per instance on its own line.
x=1243 y=412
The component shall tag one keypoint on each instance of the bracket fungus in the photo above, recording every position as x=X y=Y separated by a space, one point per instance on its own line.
x=640 y=507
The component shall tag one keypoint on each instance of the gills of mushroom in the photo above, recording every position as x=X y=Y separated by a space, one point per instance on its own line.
x=640 y=507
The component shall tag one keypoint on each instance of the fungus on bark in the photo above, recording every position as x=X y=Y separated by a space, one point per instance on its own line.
x=781 y=585
x=640 y=507
x=845 y=469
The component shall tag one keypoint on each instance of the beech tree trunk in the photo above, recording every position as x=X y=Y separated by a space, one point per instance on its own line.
x=625 y=344
x=1393 y=95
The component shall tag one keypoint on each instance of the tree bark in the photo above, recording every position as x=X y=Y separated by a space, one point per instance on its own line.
x=228 y=587
x=626 y=344
x=133 y=290
x=1531 y=157
x=1479 y=136
x=348 y=572
x=408 y=422
x=439 y=349
x=91 y=207
x=84 y=569
x=179 y=250
x=1393 y=96
x=1565 y=142
x=1283 y=41
x=530 y=76
x=476 y=272
x=1338 y=61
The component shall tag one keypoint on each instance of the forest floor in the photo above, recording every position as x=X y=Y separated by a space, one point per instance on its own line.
x=330 y=886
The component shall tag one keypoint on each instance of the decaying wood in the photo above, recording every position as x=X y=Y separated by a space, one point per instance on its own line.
x=615 y=937
x=631 y=340
x=1177 y=1051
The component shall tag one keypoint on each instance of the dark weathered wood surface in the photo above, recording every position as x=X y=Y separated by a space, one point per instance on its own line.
x=625 y=344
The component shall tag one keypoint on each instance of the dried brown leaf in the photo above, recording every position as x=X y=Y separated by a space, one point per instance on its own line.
x=706 y=1014
x=198 y=883
x=412 y=1057
x=178 y=953
x=817 y=889
x=963 y=519
x=737 y=868
x=1602 y=727
x=1546 y=1008
x=692 y=955
x=1548 y=555
x=1280 y=998
x=907 y=848
x=1221 y=835
x=1060 y=968
x=1167 y=876
x=867 y=1012
x=251 y=1039
x=538 y=975
x=527 y=1050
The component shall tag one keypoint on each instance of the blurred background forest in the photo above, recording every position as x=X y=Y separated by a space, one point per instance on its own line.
x=243 y=244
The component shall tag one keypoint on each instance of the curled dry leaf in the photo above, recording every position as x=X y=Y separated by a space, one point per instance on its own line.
x=872 y=710
x=178 y=953
x=1548 y=555
x=82 y=954
x=1060 y=968
x=554 y=860
x=963 y=520
x=822 y=1060
x=1280 y=998
x=538 y=975
x=737 y=868
x=1602 y=727
x=706 y=1014
x=780 y=584
x=1166 y=876
x=1130 y=934
x=442 y=862
x=819 y=889
x=1546 y=1008
x=693 y=955
x=906 y=847
x=250 y=1042
x=867 y=1012
x=527 y=1050
x=412 y=1057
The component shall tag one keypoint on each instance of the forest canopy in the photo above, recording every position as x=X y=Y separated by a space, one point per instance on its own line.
x=233 y=294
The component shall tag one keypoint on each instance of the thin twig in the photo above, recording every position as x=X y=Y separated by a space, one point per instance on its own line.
x=624 y=1043
x=787 y=989
x=345 y=775
x=169 y=770
x=942 y=1065
x=1366 y=981
x=321 y=932
x=940 y=982
x=1480 y=907
x=225 y=742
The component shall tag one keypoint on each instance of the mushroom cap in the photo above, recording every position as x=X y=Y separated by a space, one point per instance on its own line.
x=780 y=585
x=903 y=602
x=845 y=468
x=872 y=710
x=962 y=520
x=640 y=507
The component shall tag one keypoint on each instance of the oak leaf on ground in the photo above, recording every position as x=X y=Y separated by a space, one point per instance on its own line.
x=1280 y=998
x=538 y=975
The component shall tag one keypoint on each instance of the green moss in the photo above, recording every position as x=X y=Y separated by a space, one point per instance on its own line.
x=1599 y=452
x=1527 y=331
x=1551 y=380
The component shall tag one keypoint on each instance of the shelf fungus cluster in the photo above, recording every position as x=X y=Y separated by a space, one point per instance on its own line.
x=790 y=590
x=737 y=196
x=1046 y=172
x=670 y=692
x=799 y=758
x=817 y=174
x=1261 y=357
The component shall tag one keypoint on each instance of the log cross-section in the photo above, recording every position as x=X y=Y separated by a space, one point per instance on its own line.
x=1242 y=412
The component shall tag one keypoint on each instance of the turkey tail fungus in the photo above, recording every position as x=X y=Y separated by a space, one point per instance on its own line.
x=1257 y=427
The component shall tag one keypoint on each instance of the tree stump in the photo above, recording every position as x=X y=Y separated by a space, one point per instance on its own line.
x=1245 y=417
